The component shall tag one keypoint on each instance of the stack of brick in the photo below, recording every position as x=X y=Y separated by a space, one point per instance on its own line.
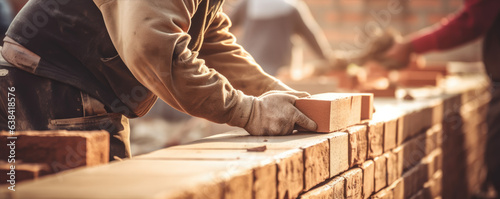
x=37 y=153
x=410 y=149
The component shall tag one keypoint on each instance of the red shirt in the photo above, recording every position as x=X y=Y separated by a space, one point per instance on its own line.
x=473 y=21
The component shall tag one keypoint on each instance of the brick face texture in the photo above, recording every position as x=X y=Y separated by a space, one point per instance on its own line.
x=433 y=155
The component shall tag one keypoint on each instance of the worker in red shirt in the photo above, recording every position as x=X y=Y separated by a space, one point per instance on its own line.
x=477 y=18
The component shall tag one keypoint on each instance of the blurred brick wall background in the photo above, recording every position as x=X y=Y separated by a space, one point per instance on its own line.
x=347 y=23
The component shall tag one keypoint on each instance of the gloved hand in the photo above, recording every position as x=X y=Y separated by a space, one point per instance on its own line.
x=274 y=113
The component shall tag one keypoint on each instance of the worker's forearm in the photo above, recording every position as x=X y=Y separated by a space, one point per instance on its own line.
x=151 y=38
x=221 y=52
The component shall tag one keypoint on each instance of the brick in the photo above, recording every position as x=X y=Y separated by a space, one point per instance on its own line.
x=383 y=194
x=390 y=134
x=344 y=80
x=313 y=85
x=290 y=175
x=264 y=181
x=331 y=111
x=61 y=150
x=24 y=171
x=353 y=183
x=316 y=164
x=375 y=139
x=398 y=188
x=367 y=106
x=418 y=195
x=413 y=151
x=400 y=131
x=419 y=78
x=435 y=185
x=442 y=69
x=358 y=144
x=392 y=167
x=339 y=153
x=368 y=168
x=380 y=172
x=322 y=192
x=237 y=186
x=413 y=180
x=333 y=188
x=398 y=152
x=389 y=92
x=338 y=184
x=437 y=114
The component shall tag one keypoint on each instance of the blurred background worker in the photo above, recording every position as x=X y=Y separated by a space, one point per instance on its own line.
x=268 y=28
x=477 y=18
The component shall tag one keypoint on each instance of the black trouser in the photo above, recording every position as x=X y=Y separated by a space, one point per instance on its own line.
x=45 y=104
x=492 y=156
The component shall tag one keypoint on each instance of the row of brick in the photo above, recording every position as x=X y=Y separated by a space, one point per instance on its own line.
x=397 y=145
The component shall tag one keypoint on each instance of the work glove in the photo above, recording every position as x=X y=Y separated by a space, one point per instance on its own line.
x=274 y=113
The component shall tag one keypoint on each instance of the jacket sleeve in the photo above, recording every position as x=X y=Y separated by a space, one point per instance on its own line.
x=473 y=21
x=151 y=38
x=221 y=52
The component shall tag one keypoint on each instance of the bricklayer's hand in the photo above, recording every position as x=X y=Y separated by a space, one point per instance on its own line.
x=274 y=113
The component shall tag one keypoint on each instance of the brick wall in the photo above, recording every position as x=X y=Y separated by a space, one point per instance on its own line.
x=410 y=149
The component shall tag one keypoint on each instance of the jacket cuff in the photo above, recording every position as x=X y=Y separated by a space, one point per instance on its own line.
x=242 y=111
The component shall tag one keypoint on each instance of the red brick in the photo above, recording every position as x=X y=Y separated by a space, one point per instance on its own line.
x=419 y=79
x=392 y=167
x=380 y=173
x=398 y=188
x=383 y=194
x=237 y=186
x=338 y=184
x=411 y=155
x=413 y=180
x=353 y=183
x=366 y=106
x=390 y=134
x=398 y=152
x=24 y=171
x=316 y=164
x=290 y=175
x=344 y=80
x=264 y=181
x=339 y=153
x=313 y=86
x=375 y=139
x=389 y=92
x=358 y=144
x=368 y=168
x=333 y=188
x=61 y=150
x=331 y=111
x=322 y=192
